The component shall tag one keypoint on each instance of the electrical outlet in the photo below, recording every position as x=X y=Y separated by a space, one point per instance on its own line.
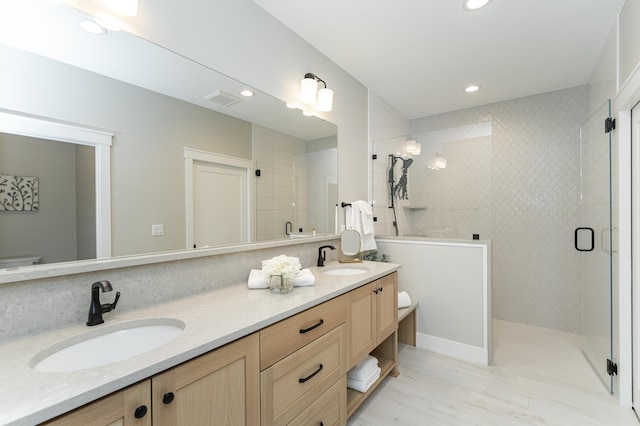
x=157 y=230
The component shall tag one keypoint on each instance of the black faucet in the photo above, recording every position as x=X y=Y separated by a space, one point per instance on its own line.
x=322 y=256
x=96 y=309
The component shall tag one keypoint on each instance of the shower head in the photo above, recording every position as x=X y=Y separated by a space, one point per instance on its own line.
x=406 y=163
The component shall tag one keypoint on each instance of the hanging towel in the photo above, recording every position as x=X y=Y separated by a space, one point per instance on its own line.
x=257 y=280
x=359 y=217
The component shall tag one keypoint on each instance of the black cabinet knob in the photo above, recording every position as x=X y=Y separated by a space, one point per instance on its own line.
x=140 y=412
x=168 y=398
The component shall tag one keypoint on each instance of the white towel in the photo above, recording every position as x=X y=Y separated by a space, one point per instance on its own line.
x=359 y=217
x=257 y=280
x=365 y=384
x=304 y=278
x=363 y=368
x=404 y=299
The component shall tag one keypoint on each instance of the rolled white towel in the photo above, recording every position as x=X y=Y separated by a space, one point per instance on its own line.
x=304 y=278
x=257 y=280
x=363 y=368
x=403 y=299
x=365 y=384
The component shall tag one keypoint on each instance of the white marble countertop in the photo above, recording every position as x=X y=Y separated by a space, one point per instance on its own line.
x=211 y=320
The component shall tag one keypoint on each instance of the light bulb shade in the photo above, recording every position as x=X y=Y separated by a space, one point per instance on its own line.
x=441 y=163
x=124 y=7
x=325 y=99
x=308 y=90
x=413 y=147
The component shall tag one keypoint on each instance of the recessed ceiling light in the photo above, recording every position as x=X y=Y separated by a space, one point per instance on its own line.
x=472 y=88
x=474 y=4
x=246 y=92
x=92 y=27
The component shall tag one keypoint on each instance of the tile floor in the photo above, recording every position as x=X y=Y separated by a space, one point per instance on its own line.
x=539 y=377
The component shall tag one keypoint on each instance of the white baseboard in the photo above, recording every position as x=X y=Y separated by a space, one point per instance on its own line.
x=453 y=349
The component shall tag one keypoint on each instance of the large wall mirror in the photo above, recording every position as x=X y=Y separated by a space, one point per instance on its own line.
x=158 y=106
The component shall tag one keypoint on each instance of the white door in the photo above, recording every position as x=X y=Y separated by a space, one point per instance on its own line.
x=219 y=190
x=635 y=243
x=220 y=215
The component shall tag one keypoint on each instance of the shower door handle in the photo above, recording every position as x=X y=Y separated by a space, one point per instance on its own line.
x=575 y=239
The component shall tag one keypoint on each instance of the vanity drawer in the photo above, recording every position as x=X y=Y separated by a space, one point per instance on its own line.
x=291 y=385
x=328 y=410
x=289 y=335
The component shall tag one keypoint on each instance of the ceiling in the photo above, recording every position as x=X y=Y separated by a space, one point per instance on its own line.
x=52 y=30
x=418 y=55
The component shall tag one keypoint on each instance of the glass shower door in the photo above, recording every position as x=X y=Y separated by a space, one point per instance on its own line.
x=593 y=240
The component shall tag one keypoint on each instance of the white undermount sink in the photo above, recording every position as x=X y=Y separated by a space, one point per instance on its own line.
x=346 y=271
x=107 y=344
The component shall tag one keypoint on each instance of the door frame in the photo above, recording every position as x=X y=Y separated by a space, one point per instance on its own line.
x=191 y=155
x=101 y=140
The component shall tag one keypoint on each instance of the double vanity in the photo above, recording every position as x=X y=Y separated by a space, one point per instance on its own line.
x=230 y=355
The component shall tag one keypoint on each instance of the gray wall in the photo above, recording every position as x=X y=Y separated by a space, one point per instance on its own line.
x=147 y=164
x=51 y=231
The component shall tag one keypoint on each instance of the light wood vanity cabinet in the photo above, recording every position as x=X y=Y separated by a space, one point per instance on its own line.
x=372 y=324
x=128 y=407
x=305 y=378
x=372 y=316
x=290 y=373
x=218 y=388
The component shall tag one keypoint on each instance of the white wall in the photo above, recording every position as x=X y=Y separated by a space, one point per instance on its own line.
x=451 y=281
x=240 y=39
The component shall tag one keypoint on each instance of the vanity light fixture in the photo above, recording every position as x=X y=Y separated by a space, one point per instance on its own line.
x=471 y=5
x=309 y=93
x=413 y=147
x=472 y=88
x=247 y=93
x=123 y=7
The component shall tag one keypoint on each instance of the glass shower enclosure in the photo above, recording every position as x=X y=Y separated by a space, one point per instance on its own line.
x=595 y=244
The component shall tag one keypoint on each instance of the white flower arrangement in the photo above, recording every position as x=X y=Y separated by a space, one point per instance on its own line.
x=283 y=265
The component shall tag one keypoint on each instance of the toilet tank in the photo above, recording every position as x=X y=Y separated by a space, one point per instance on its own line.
x=12 y=262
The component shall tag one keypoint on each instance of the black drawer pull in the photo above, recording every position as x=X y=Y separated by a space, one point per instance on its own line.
x=140 y=412
x=306 y=330
x=167 y=398
x=376 y=291
x=380 y=289
x=304 y=379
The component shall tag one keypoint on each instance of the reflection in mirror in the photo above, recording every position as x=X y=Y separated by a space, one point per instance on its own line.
x=448 y=187
x=350 y=242
x=63 y=227
x=156 y=106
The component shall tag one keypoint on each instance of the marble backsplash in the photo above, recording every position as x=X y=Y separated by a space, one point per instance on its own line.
x=35 y=306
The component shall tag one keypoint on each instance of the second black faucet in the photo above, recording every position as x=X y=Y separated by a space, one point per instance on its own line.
x=322 y=256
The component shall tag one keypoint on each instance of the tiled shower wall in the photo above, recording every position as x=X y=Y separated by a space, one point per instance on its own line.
x=534 y=190
x=281 y=188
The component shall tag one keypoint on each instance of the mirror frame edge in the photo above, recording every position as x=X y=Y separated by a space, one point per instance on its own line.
x=26 y=273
